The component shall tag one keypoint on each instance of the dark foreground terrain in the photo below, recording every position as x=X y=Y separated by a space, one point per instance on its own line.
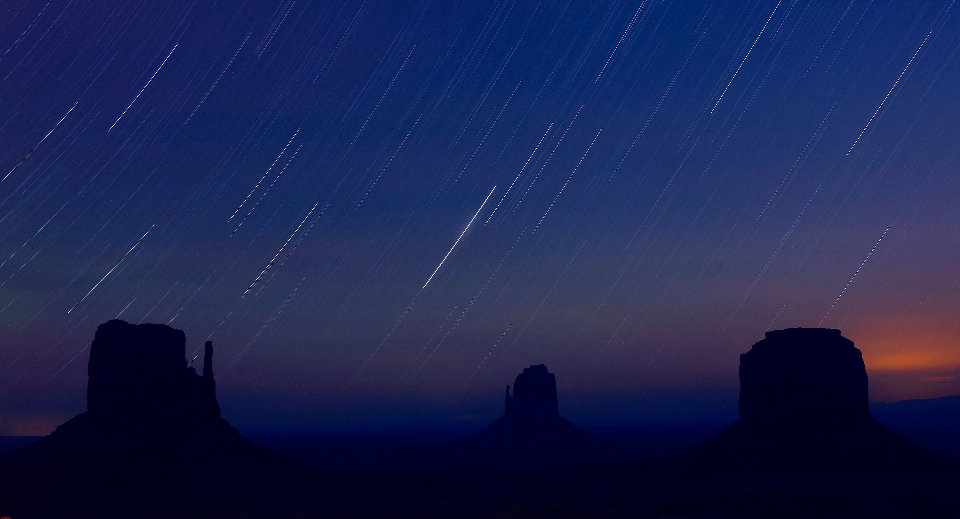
x=587 y=491
x=417 y=476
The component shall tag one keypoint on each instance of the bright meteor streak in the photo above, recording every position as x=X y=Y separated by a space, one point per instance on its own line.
x=414 y=300
x=458 y=239
x=111 y=270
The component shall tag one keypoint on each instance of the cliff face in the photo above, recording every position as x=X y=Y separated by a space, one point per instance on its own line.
x=803 y=376
x=138 y=373
x=534 y=395
x=151 y=421
x=804 y=405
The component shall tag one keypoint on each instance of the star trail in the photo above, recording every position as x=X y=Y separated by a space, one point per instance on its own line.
x=674 y=177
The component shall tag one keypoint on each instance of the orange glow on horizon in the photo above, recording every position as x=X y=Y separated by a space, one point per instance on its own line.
x=909 y=356
x=29 y=424
x=907 y=345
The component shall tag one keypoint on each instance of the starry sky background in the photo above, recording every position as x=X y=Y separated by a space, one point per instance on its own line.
x=652 y=184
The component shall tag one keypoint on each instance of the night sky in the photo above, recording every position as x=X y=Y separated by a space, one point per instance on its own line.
x=630 y=192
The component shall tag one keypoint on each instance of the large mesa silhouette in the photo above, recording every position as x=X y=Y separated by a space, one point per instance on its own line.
x=152 y=427
x=804 y=406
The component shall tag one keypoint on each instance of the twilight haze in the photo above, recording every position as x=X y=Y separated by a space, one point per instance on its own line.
x=381 y=211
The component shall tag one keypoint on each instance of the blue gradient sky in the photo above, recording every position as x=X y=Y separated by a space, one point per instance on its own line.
x=670 y=179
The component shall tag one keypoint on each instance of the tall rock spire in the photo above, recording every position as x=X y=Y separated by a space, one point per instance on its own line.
x=208 y=360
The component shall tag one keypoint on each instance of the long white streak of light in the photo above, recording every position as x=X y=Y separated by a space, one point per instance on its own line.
x=387 y=165
x=19 y=269
x=263 y=328
x=467 y=307
x=777 y=251
x=264 y=175
x=298 y=242
x=144 y=86
x=490 y=129
x=793 y=168
x=216 y=81
x=525 y=164
x=34 y=236
x=429 y=342
x=27 y=156
x=904 y=71
x=267 y=190
x=605 y=346
x=68 y=363
x=550 y=292
x=390 y=333
x=622 y=38
x=125 y=308
x=746 y=56
x=547 y=161
x=263 y=45
x=25 y=31
x=782 y=308
x=459 y=238
x=502 y=335
x=294 y=248
x=150 y=311
x=864 y=262
x=542 y=218
x=111 y=270
x=275 y=256
x=410 y=307
x=195 y=292
x=384 y=95
x=8 y=304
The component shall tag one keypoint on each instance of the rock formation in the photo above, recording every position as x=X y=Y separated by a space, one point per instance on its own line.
x=151 y=422
x=804 y=405
x=531 y=426
x=137 y=376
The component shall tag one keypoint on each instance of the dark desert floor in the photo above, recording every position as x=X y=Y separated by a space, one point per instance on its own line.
x=412 y=475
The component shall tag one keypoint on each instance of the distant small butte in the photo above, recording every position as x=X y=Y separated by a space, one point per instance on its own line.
x=531 y=425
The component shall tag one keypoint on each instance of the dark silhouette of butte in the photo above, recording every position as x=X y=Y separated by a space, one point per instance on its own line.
x=804 y=406
x=531 y=425
x=151 y=421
